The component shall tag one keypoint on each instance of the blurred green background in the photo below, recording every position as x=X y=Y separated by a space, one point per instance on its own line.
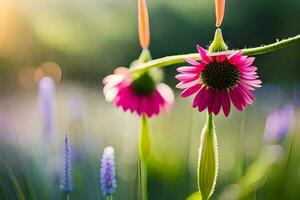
x=79 y=42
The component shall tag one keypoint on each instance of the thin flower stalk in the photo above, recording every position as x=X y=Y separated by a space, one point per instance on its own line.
x=67 y=180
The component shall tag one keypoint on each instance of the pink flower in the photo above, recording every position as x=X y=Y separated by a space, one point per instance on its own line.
x=218 y=80
x=139 y=95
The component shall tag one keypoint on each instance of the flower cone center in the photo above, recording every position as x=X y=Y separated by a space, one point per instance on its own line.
x=220 y=75
x=144 y=84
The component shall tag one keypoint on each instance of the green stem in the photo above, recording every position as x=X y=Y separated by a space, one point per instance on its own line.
x=68 y=197
x=176 y=59
x=144 y=150
x=271 y=47
x=144 y=181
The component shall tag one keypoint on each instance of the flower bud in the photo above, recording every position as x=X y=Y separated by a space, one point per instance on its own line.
x=143 y=22
x=208 y=160
x=220 y=9
x=218 y=43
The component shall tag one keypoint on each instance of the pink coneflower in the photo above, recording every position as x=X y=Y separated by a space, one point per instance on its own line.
x=218 y=79
x=139 y=94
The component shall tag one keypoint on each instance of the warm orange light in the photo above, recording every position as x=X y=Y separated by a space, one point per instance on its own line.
x=143 y=20
x=26 y=77
x=38 y=75
x=51 y=69
x=220 y=9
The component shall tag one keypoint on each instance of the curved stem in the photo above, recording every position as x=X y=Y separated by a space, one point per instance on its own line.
x=163 y=62
x=271 y=47
x=176 y=59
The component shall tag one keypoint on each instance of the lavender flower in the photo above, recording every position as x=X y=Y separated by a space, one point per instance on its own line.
x=278 y=124
x=107 y=172
x=67 y=180
x=47 y=96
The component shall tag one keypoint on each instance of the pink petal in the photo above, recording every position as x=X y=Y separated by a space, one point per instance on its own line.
x=217 y=102
x=150 y=108
x=134 y=103
x=203 y=103
x=189 y=70
x=186 y=77
x=192 y=62
x=235 y=99
x=183 y=85
x=189 y=91
x=199 y=96
x=111 y=94
x=203 y=54
x=225 y=102
x=234 y=54
x=112 y=80
x=156 y=98
x=142 y=105
x=248 y=95
x=211 y=96
x=247 y=62
x=220 y=58
x=241 y=97
x=167 y=94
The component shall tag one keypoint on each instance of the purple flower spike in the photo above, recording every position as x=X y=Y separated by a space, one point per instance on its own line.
x=67 y=180
x=107 y=172
x=278 y=124
x=47 y=97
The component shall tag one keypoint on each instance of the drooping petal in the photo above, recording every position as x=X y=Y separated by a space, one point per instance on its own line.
x=225 y=102
x=167 y=94
x=235 y=99
x=204 y=101
x=191 y=90
x=203 y=54
x=192 y=62
x=189 y=70
x=217 y=102
x=199 y=96
x=211 y=96
x=187 y=77
x=183 y=85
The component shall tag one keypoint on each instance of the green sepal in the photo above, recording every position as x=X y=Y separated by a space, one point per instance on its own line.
x=218 y=43
x=208 y=160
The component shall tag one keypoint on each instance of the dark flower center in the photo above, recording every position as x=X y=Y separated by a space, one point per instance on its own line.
x=143 y=84
x=220 y=75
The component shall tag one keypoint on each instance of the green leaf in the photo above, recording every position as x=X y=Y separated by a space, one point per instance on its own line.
x=208 y=160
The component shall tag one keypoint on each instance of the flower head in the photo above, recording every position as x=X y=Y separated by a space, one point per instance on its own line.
x=139 y=94
x=67 y=180
x=278 y=123
x=219 y=79
x=107 y=172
